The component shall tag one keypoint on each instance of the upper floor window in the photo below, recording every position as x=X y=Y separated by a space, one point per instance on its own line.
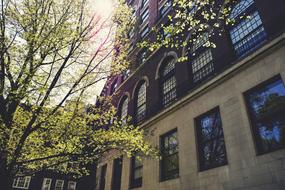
x=145 y=16
x=59 y=184
x=144 y=31
x=114 y=86
x=71 y=185
x=144 y=2
x=102 y=182
x=169 y=167
x=124 y=109
x=201 y=58
x=165 y=7
x=143 y=56
x=136 y=172
x=266 y=107
x=46 y=184
x=210 y=139
x=117 y=173
x=141 y=102
x=126 y=74
x=248 y=32
x=167 y=75
x=22 y=182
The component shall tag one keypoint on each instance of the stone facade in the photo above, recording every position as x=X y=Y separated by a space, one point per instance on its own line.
x=225 y=89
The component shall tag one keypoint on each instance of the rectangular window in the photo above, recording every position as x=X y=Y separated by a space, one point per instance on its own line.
x=22 y=182
x=59 y=184
x=210 y=140
x=202 y=65
x=266 y=108
x=169 y=91
x=169 y=166
x=248 y=34
x=164 y=8
x=145 y=15
x=136 y=172
x=103 y=177
x=71 y=185
x=201 y=58
x=117 y=173
x=143 y=56
x=46 y=184
x=144 y=3
x=144 y=31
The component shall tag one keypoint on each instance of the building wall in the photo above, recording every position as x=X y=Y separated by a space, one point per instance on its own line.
x=224 y=88
x=245 y=170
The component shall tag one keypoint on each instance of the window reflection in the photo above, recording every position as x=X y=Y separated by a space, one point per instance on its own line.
x=211 y=144
x=267 y=112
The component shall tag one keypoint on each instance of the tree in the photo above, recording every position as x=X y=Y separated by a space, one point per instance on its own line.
x=51 y=51
x=188 y=22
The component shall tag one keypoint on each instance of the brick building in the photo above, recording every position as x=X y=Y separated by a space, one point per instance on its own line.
x=219 y=119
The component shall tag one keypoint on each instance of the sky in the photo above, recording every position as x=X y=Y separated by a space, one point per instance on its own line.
x=104 y=9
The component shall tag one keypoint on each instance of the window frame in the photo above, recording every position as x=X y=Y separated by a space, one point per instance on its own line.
x=166 y=77
x=249 y=11
x=68 y=185
x=121 y=111
x=164 y=8
x=197 y=127
x=56 y=183
x=44 y=183
x=253 y=127
x=114 y=85
x=197 y=53
x=135 y=183
x=142 y=115
x=143 y=56
x=162 y=176
x=103 y=176
x=145 y=30
x=27 y=179
x=144 y=3
x=145 y=16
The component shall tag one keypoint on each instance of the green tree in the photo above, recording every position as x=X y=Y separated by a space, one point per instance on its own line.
x=189 y=21
x=51 y=52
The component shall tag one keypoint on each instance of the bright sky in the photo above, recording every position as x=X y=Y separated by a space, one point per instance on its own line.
x=104 y=8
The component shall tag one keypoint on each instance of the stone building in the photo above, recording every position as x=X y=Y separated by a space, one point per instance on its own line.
x=219 y=119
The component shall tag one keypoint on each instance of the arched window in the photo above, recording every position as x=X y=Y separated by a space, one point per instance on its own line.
x=123 y=112
x=248 y=32
x=168 y=81
x=140 y=109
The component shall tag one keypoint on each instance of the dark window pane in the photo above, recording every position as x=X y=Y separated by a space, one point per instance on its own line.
x=145 y=15
x=211 y=144
x=169 y=90
x=103 y=177
x=144 y=31
x=168 y=80
x=201 y=58
x=136 y=172
x=267 y=109
x=170 y=158
x=141 y=102
x=124 y=110
x=117 y=173
x=248 y=33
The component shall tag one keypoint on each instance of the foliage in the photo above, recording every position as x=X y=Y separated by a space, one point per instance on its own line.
x=188 y=21
x=51 y=51
x=125 y=22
